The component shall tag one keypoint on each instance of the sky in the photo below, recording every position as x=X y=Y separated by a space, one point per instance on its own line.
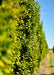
x=47 y=15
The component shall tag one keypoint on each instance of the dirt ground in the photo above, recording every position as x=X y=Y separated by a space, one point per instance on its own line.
x=45 y=67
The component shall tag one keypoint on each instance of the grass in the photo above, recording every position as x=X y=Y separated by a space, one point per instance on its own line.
x=52 y=62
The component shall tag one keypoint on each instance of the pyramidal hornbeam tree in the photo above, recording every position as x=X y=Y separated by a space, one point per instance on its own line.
x=23 y=44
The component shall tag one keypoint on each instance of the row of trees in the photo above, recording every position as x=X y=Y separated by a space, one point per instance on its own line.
x=22 y=41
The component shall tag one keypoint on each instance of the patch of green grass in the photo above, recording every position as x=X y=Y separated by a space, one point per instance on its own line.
x=52 y=62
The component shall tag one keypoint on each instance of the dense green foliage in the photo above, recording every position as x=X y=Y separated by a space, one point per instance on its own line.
x=22 y=41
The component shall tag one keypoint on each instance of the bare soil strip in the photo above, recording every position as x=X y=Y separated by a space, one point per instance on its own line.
x=45 y=67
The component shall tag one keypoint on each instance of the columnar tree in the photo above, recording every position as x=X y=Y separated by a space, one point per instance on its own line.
x=22 y=40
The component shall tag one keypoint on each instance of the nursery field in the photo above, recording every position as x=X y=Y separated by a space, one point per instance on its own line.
x=50 y=51
x=52 y=62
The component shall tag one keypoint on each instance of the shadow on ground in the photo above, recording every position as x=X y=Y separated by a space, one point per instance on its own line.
x=48 y=74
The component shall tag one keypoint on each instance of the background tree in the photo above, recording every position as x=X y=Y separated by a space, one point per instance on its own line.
x=53 y=49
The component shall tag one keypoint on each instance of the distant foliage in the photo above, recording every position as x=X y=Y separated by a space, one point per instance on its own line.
x=22 y=41
x=53 y=49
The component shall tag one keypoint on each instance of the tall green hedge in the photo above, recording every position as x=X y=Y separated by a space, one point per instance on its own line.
x=22 y=41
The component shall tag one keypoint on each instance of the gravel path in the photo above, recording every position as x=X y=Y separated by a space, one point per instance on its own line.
x=45 y=67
